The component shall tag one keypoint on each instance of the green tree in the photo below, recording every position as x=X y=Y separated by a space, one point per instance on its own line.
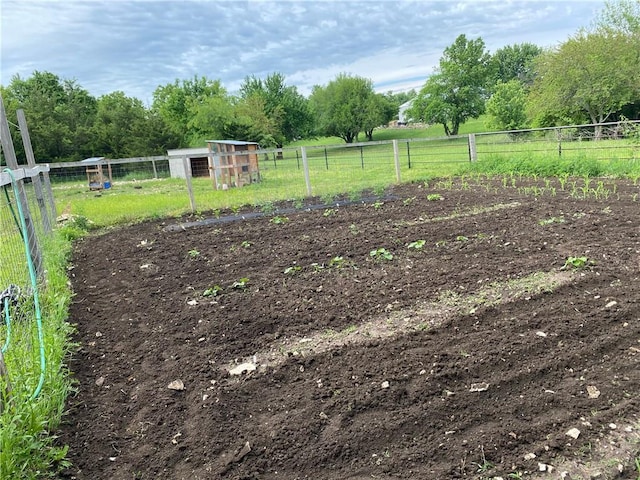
x=59 y=113
x=379 y=111
x=288 y=111
x=507 y=106
x=178 y=102
x=592 y=75
x=622 y=16
x=456 y=92
x=514 y=62
x=340 y=108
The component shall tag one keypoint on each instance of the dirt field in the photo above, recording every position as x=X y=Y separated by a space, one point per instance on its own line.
x=279 y=347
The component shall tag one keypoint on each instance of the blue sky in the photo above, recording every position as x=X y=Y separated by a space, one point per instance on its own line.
x=134 y=46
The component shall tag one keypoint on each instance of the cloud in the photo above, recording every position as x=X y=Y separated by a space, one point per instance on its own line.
x=135 y=46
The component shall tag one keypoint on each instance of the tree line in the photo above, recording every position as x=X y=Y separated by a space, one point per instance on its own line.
x=592 y=77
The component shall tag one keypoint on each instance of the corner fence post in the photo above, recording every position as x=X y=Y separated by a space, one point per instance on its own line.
x=31 y=160
x=12 y=163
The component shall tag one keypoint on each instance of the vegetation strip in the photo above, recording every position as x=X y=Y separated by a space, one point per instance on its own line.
x=465 y=213
x=420 y=317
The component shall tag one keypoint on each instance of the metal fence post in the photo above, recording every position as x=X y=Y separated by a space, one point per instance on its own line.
x=305 y=167
x=408 y=155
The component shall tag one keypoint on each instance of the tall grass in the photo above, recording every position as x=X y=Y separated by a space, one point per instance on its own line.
x=27 y=449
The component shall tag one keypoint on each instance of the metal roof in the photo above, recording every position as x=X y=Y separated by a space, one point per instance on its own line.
x=232 y=142
x=93 y=160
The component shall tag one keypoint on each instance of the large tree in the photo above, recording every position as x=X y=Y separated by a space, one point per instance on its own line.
x=457 y=91
x=380 y=110
x=178 y=102
x=287 y=111
x=514 y=62
x=592 y=75
x=507 y=106
x=340 y=108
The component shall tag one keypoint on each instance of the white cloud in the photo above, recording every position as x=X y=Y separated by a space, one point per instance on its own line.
x=137 y=45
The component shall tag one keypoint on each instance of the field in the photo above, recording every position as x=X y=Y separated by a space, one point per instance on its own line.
x=472 y=327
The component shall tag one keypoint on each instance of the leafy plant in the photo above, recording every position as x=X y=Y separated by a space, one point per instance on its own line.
x=278 y=220
x=292 y=270
x=549 y=221
x=329 y=212
x=245 y=244
x=378 y=205
x=576 y=262
x=240 y=284
x=408 y=201
x=337 y=262
x=353 y=229
x=417 y=244
x=268 y=208
x=212 y=291
x=381 y=254
x=432 y=197
x=193 y=253
x=462 y=238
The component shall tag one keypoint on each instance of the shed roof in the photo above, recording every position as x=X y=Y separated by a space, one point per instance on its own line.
x=92 y=160
x=232 y=142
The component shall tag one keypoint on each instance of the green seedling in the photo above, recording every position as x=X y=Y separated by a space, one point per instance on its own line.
x=433 y=197
x=194 y=253
x=576 y=262
x=549 y=221
x=245 y=244
x=417 y=245
x=353 y=228
x=329 y=212
x=378 y=205
x=278 y=220
x=408 y=201
x=337 y=262
x=462 y=238
x=292 y=270
x=240 y=284
x=381 y=254
x=212 y=291
x=441 y=243
x=268 y=208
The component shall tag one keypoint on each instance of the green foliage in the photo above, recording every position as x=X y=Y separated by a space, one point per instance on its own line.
x=591 y=75
x=344 y=107
x=514 y=62
x=433 y=197
x=381 y=254
x=456 y=92
x=240 y=284
x=507 y=106
x=278 y=220
x=576 y=262
x=212 y=291
x=417 y=244
x=292 y=270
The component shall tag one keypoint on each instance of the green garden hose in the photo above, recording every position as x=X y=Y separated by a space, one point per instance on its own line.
x=34 y=285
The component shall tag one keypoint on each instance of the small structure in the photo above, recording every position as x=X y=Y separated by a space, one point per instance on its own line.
x=229 y=163
x=95 y=173
x=231 y=169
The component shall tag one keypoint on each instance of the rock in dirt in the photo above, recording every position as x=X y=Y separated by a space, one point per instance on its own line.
x=241 y=454
x=593 y=391
x=385 y=384
x=573 y=433
x=479 y=387
x=176 y=385
x=100 y=381
x=243 y=368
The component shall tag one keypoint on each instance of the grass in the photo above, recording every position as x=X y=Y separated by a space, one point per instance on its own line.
x=27 y=448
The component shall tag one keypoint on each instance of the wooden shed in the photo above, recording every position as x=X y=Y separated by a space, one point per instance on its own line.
x=197 y=158
x=234 y=164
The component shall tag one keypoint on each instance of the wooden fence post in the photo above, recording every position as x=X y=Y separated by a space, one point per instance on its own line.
x=305 y=167
x=473 y=153
x=31 y=160
x=187 y=174
x=12 y=163
x=396 y=158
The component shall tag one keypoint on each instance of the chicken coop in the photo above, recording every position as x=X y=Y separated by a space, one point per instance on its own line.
x=228 y=163
x=98 y=172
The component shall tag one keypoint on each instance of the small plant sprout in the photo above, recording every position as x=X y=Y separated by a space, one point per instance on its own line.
x=193 y=253
x=292 y=270
x=378 y=205
x=212 y=291
x=329 y=212
x=462 y=238
x=381 y=254
x=549 y=221
x=278 y=220
x=240 y=284
x=576 y=262
x=353 y=229
x=337 y=262
x=434 y=197
x=408 y=201
x=268 y=208
x=416 y=245
x=245 y=244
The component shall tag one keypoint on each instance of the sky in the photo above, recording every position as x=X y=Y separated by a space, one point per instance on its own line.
x=136 y=45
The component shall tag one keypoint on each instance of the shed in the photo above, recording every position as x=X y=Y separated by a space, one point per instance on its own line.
x=95 y=173
x=233 y=163
x=198 y=160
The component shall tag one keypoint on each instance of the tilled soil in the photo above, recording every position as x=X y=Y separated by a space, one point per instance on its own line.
x=461 y=358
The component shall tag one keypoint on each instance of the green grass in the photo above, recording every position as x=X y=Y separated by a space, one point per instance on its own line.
x=27 y=449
